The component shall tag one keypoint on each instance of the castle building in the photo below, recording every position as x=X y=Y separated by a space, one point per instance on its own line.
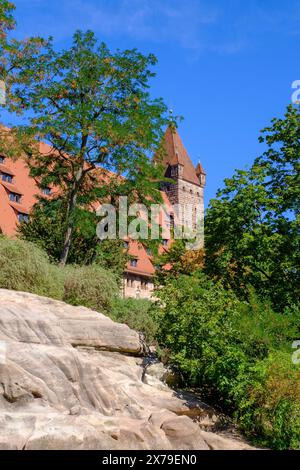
x=183 y=197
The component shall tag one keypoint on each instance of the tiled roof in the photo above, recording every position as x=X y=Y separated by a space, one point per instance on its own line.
x=19 y=207
x=4 y=169
x=177 y=154
x=11 y=187
x=26 y=186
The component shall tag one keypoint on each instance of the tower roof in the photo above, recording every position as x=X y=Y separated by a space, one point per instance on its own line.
x=177 y=154
x=200 y=170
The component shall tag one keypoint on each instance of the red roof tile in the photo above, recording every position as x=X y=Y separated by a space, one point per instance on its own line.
x=4 y=169
x=177 y=154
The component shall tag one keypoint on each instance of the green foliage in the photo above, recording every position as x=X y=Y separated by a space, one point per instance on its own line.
x=91 y=286
x=252 y=228
x=86 y=247
x=137 y=314
x=25 y=267
x=269 y=402
x=15 y=55
x=93 y=107
x=178 y=260
x=238 y=354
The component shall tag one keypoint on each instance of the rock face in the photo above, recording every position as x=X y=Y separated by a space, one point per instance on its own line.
x=71 y=378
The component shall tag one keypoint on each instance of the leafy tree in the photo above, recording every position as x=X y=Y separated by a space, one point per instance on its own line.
x=7 y=21
x=86 y=247
x=238 y=354
x=93 y=107
x=178 y=260
x=252 y=228
x=15 y=56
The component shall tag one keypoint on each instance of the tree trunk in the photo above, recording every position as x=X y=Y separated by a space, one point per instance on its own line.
x=69 y=218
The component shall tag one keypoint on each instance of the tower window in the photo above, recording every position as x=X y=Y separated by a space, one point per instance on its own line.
x=133 y=262
x=14 y=197
x=172 y=221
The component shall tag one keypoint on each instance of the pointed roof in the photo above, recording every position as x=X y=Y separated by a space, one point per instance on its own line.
x=177 y=154
x=200 y=170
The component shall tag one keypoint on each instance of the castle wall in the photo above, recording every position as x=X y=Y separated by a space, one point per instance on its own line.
x=190 y=200
x=138 y=287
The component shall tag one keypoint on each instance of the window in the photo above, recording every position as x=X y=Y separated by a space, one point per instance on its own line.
x=126 y=244
x=172 y=221
x=133 y=262
x=46 y=191
x=6 y=177
x=23 y=217
x=2 y=159
x=14 y=197
x=165 y=242
x=144 y=285
x=149 y=252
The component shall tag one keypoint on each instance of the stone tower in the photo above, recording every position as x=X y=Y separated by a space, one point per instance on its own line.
x=187 y=191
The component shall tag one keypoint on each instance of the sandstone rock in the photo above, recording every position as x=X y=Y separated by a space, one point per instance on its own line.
x=224 y=442
x=73 y=379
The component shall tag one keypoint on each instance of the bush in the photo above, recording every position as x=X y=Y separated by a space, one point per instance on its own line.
x=238 y=354
x=136 y=313
x=91 y=286
x=269 y=407
x=25 y=267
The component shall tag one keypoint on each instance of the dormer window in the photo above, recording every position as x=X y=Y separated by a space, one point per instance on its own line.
x=2 y=159
x=126 y=244
x=133 y=263
x=14 y=197
x=23 y=217
x=6 y=177
x=165 y=242
x=149 y=251
x=46 y=191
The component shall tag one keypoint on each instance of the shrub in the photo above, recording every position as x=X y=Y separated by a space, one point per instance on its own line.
x=269 y=407
x=136 y=313
x=25 y=267
x=91 y=286
x=238 y=354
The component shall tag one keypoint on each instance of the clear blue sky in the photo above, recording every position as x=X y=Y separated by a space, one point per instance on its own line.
x=225 y=65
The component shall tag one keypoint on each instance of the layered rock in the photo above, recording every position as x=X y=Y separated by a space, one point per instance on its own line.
x=71 y=378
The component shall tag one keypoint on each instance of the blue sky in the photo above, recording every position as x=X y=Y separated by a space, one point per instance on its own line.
x=226 y=66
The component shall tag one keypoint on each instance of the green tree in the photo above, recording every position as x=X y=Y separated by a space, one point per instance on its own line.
x=93 y=108
x=15 y=56
x=237 y=354
x=86 y=247
x=252 y=228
